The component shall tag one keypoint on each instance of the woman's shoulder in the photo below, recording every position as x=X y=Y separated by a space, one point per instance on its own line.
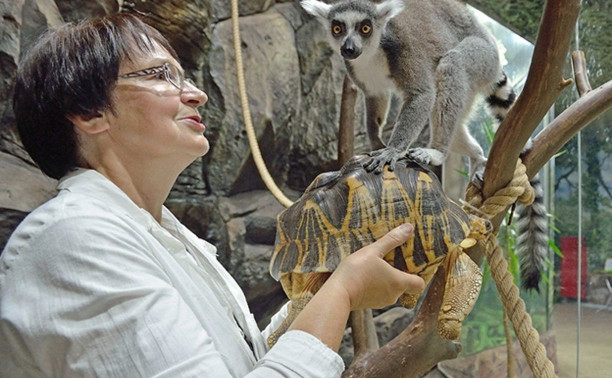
x=69 y=219
x=68 y=210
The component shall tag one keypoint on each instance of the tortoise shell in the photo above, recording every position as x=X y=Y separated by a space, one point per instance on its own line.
x=342 y=211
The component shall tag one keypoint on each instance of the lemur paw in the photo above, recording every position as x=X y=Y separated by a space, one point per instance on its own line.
x=428 y=156
x=380 y=158
x=478 y=179
x=477 y=174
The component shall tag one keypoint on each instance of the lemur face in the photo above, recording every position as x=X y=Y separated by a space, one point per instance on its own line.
x=352 y=33
x=355 y=26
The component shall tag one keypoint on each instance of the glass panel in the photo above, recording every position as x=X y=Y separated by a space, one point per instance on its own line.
x=484 y=328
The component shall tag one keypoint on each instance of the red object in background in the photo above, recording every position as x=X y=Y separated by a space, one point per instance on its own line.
x=569 y=266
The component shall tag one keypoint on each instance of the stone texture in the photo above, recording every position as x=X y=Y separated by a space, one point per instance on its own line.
x=392 y=322
x=9 y=220
x=250 y=219
x=272 y=79
x=221 y=9
x=27 y=187
x=10 y=36
x=388 y=324
x=38 y=16
x=242 y=227
x=315 y=143
x=186 y=25
x=201 y=216
x=191 y=182
x=598 y=291
x=492 y=363
x=75 y=10
x=264 y=294
x=261 y=223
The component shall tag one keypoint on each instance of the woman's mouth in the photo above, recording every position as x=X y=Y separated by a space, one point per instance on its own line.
x=194 y=123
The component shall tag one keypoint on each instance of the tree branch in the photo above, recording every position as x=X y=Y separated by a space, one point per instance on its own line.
x=582 y=81
x=417 y=349
x=562 y=177
x=544 y=83
x=584 y=111
x=604 y=185
x=346 y=132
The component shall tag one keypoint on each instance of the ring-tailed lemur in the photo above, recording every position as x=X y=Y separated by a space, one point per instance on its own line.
x=436 y=58
x=433 y=55
x=532 y=239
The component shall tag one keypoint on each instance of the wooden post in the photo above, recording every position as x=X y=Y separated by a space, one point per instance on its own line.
x=363 y=330
x=346 y=134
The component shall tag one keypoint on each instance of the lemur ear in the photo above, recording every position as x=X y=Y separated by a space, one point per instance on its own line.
x=389 y=9
x=316 y=8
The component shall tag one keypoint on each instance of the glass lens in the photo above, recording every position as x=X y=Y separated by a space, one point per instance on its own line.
x=174 y=75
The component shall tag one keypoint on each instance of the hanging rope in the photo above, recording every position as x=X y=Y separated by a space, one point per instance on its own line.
x=529 y=339
x=246 y=113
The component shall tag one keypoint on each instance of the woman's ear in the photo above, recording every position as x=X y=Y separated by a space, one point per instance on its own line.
x=94 y=123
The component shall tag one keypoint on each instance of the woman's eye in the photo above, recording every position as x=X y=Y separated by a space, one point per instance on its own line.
x=159 y=76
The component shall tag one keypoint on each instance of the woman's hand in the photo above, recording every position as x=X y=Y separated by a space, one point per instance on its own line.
x=362 y=280
x=368 y=280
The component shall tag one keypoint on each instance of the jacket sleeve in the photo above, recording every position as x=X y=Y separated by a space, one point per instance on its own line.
x=97 y=304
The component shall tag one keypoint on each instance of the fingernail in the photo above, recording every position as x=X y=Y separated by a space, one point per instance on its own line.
x=407 y=227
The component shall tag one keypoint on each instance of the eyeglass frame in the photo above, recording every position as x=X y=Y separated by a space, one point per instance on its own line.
x=165 y=68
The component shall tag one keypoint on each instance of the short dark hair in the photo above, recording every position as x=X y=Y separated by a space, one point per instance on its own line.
x=72 y=71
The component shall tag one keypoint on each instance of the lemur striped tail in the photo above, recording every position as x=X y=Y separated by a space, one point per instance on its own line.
x=501 y=98
x=532 y=222
x=532 y=241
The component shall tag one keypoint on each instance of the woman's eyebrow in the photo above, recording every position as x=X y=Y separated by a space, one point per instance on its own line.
x=160 y=61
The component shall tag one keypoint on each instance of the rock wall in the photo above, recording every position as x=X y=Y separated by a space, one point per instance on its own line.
x=294 y=84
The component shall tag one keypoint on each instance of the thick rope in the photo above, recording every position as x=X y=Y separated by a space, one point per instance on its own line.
x=246 y=113
x=529 y=338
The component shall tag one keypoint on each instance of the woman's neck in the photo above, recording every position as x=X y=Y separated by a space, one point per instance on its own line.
x=146 y=184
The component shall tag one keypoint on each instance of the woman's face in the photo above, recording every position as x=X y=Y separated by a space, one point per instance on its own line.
x=153 y=119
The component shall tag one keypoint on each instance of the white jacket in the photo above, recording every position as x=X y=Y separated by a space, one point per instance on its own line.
x=92 y=285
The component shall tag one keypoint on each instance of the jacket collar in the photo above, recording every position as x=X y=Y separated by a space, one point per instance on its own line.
x=91 y=183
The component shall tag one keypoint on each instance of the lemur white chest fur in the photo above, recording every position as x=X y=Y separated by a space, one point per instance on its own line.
x=372 y=72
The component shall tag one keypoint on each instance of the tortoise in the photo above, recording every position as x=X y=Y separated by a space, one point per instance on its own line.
x=342 y=211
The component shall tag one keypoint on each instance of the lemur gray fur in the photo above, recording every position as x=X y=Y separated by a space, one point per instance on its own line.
x=434 y=56
x=437 y=58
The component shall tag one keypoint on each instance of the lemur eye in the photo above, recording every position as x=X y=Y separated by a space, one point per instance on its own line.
x=336 y=29
x=366 y=29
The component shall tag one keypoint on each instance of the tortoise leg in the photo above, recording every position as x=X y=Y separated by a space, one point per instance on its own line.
x=295 y=307
x=410 y=300
x=300 y=288
x=460 y=294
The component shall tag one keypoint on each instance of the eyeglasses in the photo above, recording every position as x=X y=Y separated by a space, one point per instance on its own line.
x=171 y=74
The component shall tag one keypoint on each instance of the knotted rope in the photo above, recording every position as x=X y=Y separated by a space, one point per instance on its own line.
x=529 y=338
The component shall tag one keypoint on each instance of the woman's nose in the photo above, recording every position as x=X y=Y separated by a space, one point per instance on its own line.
x=192 y=95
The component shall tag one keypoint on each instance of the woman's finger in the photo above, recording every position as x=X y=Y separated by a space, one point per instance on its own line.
x=412 y=283
x=394 y=238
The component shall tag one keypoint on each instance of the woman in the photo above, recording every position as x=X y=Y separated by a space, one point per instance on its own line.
x=103 y=280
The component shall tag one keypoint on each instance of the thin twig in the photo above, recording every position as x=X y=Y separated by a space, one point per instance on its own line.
x=580 y=73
